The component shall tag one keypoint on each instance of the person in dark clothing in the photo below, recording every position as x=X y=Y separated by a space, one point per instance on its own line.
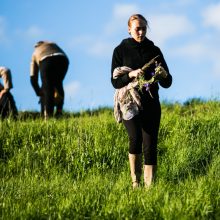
x=52 y=62
x=143 y=125
x=7 y=103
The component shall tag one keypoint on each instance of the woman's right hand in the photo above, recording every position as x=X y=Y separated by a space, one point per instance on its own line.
x=135 y=73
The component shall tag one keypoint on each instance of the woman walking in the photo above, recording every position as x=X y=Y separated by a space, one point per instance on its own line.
x=139 y=104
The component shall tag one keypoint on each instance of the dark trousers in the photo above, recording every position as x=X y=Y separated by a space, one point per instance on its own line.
x=53 y=70
x=8 y=106
x=143 y=132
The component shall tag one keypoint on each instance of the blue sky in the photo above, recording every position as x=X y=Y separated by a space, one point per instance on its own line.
x=187 y=31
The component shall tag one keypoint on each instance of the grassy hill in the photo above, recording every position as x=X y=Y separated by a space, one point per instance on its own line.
x=77 y=167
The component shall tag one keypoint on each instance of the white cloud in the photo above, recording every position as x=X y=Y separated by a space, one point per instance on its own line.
x=216 y=68
x=80 y=40
x=164 y=27
x=211 y=15
x=124 y=10
x=2 y=26
x=71 y=89
x=33 y=33
x=185 y=2
x=193 y=50
x=91 y=45
x=101 y=48
x=121 y=13
x=3 y=37
x=203 y=50
x=181 y=3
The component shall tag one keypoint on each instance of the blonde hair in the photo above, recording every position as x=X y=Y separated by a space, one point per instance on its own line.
x=137 y=16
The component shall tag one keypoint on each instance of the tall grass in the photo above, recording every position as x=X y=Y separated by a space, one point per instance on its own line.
x=77 y=167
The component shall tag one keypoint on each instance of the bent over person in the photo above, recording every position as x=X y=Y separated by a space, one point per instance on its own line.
x=138 y=68
x=7 y=103
x=52 y=63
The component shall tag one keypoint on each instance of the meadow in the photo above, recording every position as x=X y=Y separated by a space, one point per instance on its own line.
x=77 y=167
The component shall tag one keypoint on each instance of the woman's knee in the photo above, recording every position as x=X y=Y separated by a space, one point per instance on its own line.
x=135 y=144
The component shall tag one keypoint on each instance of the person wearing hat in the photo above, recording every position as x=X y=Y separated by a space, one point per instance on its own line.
x=52 y=63
x=7 y=103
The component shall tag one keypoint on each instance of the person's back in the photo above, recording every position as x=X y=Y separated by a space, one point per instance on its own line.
x=44 y=49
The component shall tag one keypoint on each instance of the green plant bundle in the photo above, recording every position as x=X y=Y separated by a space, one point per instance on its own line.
x=156 y=77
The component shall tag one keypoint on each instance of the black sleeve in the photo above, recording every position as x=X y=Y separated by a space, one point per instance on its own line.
x=165 y=82
x=123 y=80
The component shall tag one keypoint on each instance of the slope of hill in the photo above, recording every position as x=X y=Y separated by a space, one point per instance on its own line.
x=77 y=167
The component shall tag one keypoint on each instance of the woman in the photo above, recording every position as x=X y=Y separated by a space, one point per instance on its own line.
x=142 y=121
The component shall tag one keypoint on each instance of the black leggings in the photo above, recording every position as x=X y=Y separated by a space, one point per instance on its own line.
x=143 y=130
x=53 y=70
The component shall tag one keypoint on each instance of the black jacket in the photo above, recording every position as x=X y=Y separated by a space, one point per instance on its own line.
x=133 y=54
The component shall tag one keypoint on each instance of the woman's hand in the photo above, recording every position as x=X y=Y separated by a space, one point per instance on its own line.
x=160 y=73
x=135 y=73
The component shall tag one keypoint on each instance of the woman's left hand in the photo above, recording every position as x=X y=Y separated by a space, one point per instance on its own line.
x=160 y=73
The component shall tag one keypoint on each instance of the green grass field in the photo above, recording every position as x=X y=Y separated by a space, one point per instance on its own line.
x=77 y=167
